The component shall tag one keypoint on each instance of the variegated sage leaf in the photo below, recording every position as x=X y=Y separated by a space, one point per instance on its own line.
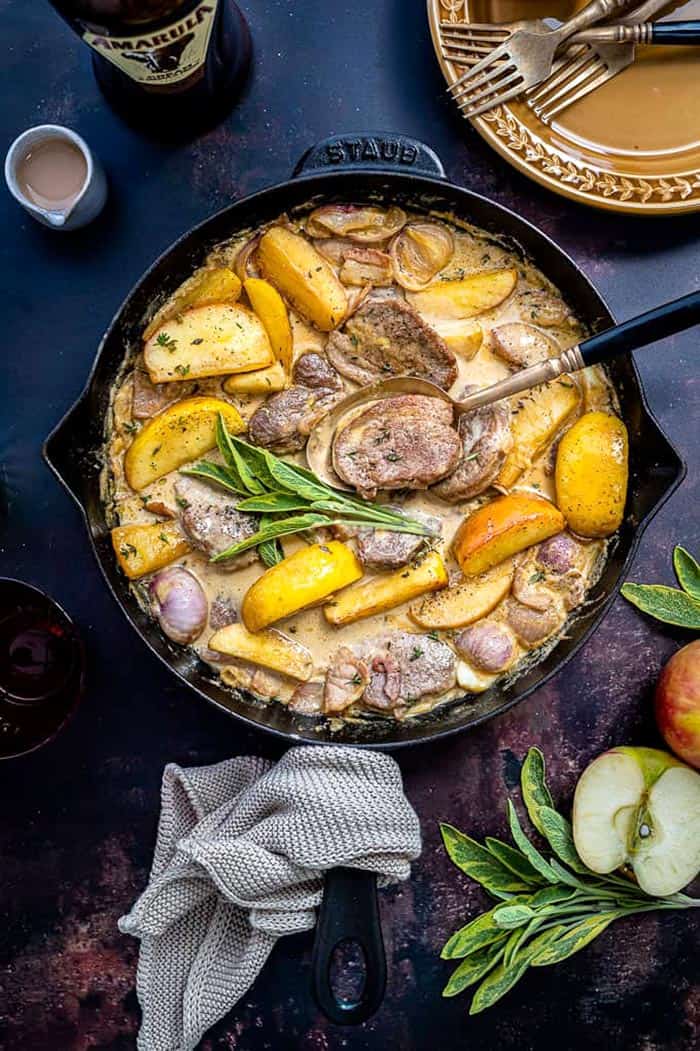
x=474 y=936
x=479 y=863
x=473 y=969
x=514 y=860
x=533 y=785
x=577 y=937
x=502 y=979
x=531 y=853
x=557 y=830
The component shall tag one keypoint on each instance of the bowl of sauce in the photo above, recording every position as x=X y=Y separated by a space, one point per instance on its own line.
x=51 y=171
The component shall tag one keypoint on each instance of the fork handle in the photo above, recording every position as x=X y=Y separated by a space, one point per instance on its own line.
x=675 y=33
x=595 y=11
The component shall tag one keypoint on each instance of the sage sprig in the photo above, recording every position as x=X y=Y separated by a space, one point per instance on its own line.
x=289 y=498
x=671 y=605
x=549 y=905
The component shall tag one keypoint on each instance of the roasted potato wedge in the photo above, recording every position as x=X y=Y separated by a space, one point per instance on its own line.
x=301 y=580
x=269 y=306
x=385 y=592
x=207 y=341
x=463 y=603
x=591 y=474
x=142 y=549
x=212 y=285
x=540 y=415
x=303 y=276
x=466 y=298
x=502 y=528
x=180 y=434
x=262 y=381
x=270 y=648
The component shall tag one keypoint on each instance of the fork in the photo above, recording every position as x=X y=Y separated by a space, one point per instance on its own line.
x=524 y=59
x=594 y=66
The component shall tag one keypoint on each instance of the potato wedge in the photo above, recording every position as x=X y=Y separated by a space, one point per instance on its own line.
x=262 y=381
x=303 y=276
x=301 y=580
x=463 y=603
x=591 y=474
x=176 y=436
x=269 y=648
x=142 y=549
x=269 y=306
x=466 y=298
x=212 y=285
x=385 y=592
x=207 y=341
x=502 y=528
x=541 y=414
x=464 y=338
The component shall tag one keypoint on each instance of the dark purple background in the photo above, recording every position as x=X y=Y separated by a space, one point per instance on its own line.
x=78 y=820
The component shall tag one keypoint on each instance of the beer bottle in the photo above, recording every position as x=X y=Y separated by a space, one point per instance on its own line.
x=169 y=64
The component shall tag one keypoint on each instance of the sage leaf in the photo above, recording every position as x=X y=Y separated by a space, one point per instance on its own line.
x=282 y=528
x=687 y=571
x=473 y=936
x=274 y=503
x=258 y=462
x=509 y=916
x=531 y=853
x=575 y=938
x=502 y=979
x=270 y=551
x=549 y=896
x=533 y=786
x=472 y=969
x=514 y=860
x=558 y=833
x=668 y=605
x=233 y=459
x=479 y=863
x=213 y=472
x=564 y=876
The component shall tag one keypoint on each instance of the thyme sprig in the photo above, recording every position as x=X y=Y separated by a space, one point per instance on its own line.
x=275 y=488
x=548 y=907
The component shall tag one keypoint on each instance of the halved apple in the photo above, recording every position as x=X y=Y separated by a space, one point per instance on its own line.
x=640 y=806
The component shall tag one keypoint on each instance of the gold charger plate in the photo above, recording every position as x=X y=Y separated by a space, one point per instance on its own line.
x=631 y=146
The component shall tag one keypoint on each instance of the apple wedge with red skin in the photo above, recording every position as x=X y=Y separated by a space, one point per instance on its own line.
x=640 y=807
x=677 y=703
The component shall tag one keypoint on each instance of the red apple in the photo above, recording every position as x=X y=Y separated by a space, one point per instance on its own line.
x=677 y=703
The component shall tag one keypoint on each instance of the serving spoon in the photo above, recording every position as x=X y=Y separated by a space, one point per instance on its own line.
x=655 y=324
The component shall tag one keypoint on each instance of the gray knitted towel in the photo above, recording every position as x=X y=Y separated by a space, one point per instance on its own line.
x=238 y=862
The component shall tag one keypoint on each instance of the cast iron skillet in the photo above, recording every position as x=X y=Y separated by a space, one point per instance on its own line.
x=357 y=168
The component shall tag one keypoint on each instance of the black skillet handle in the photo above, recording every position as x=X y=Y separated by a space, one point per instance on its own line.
x=349 y=913
x=64 y=449
x=675 y=33
x=366 y=151
x=655 y=324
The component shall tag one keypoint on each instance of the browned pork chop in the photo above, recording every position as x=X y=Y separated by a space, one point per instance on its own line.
x=405 y=668
x=386 y=337
x=486 y=440
x=283 y=422
x=407 y=442
x=383 y=549
x=151 y=398
x=209 y=518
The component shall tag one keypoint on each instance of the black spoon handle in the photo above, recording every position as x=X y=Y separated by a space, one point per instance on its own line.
x=675 y=33
x=349 y=913
x=638 y=331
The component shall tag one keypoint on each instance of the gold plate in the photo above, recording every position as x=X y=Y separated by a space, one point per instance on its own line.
x=631 y=146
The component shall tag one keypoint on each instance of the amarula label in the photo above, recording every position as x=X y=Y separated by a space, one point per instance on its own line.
x=167 y=56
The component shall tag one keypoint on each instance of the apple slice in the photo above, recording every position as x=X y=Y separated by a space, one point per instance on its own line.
x=640 y=806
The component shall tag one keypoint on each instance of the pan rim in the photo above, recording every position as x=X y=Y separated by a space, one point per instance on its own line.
x=419 y=186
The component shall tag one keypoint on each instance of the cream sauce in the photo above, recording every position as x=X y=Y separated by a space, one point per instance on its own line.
x=473 y=253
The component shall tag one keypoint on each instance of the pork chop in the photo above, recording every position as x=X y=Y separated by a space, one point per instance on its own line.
x=284 y=421
x=486 y=440
x=384 y=549
x=386 y=337
x=209 y=518
x=407 y=442
x=407 y=667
